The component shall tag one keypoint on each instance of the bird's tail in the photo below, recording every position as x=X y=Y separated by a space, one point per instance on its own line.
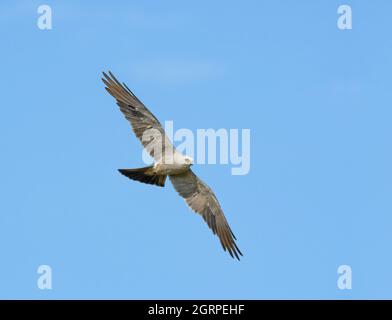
x=145 y=175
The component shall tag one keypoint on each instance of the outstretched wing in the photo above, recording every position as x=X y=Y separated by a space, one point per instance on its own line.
x=144 y=124
x=202 y=200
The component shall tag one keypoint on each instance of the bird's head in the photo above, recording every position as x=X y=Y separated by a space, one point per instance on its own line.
x=188 y=161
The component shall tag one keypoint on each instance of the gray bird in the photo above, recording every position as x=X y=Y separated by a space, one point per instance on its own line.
x=169 y=162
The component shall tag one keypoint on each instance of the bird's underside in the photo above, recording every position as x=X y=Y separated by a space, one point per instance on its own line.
x=199 y=197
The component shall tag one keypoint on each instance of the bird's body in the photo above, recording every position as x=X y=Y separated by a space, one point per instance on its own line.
x=169 y=162
x=162 y=168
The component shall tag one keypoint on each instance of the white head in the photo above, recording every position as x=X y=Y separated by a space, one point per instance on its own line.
x=188 y=161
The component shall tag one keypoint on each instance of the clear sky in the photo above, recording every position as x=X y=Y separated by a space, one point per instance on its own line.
x=317 y=100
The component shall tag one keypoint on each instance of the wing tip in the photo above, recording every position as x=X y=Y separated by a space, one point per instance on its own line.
x=105 y=75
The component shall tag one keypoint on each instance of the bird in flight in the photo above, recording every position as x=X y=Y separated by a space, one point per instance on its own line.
x=169 y=162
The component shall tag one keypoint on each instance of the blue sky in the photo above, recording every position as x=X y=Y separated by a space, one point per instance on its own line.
x=317 y=101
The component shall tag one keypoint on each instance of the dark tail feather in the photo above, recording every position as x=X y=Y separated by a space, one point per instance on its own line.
x=145 y=175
